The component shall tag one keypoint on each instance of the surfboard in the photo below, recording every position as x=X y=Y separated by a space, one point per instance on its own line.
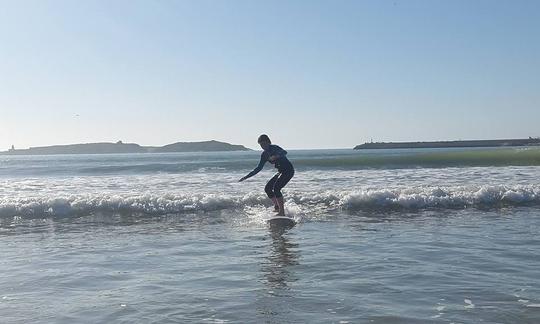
x=281 y=222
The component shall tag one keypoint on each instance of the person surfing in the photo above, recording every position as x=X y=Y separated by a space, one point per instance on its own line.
x=277 y=156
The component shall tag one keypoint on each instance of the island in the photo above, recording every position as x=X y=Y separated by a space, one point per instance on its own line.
x=120 y=147
x=208 y=146
x=446 y=144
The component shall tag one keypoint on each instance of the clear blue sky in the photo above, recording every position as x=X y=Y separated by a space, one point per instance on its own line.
x=311 y=74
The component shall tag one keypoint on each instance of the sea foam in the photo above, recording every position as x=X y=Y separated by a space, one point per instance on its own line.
x=410 y=198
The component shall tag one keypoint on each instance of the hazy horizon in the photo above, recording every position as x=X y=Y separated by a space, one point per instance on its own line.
x=310 y=74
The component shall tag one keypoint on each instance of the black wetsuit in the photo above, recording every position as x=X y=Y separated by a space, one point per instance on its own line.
x=284 y=166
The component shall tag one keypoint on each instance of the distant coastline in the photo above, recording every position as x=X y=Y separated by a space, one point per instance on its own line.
x=447 y=144
x=120 y=147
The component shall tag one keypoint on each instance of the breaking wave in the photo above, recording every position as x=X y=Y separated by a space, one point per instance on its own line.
x=416 y=198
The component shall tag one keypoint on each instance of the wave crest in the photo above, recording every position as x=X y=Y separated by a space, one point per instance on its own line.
x=354 y=200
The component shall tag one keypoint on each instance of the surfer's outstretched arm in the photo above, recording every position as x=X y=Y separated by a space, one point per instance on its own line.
x=257 y=169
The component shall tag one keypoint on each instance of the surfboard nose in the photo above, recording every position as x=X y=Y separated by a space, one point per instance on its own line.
x=281 y=223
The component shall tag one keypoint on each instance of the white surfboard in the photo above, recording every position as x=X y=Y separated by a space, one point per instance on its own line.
x=281 y=221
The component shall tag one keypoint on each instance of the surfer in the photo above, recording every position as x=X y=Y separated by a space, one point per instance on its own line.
x=277 y=156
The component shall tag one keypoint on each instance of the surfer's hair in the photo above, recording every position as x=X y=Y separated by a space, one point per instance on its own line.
x=264 y=138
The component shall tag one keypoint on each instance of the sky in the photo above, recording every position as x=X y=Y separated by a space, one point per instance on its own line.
x=310 y=74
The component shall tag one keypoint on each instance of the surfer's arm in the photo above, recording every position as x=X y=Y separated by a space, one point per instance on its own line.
x=257 y=169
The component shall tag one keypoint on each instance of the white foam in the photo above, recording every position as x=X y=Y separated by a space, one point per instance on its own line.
x=469 y=304
x=202 y=192
x=429 y=197
x=533 y=305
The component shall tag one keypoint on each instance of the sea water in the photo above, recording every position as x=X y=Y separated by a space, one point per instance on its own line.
x=383 y=236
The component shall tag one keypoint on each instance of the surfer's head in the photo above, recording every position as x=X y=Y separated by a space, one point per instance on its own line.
x=264 y=141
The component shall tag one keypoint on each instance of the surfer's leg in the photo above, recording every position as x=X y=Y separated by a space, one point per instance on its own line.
x=269 y=189
x=281 y=181
x=276 y=204
x=281 y=206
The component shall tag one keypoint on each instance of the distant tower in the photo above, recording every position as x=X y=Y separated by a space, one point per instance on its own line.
x=119 y=142
x=12 y=148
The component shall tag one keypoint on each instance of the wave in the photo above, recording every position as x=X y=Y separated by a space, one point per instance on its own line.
x=462 y=158
x=350 y=160
x=354 y=200
x=493 y=157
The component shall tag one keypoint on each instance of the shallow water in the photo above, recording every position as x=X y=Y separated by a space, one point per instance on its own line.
x=386 y=245
x=427 y=267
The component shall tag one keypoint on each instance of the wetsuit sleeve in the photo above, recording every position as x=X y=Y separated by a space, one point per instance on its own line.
x=259 y=167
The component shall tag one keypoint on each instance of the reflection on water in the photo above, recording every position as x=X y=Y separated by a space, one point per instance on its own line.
x=278 y=275
x=283 y=254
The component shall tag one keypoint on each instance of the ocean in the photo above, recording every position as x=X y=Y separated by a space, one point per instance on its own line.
x=383 y=236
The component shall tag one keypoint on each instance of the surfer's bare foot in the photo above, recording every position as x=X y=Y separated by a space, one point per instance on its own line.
x=276 y=209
